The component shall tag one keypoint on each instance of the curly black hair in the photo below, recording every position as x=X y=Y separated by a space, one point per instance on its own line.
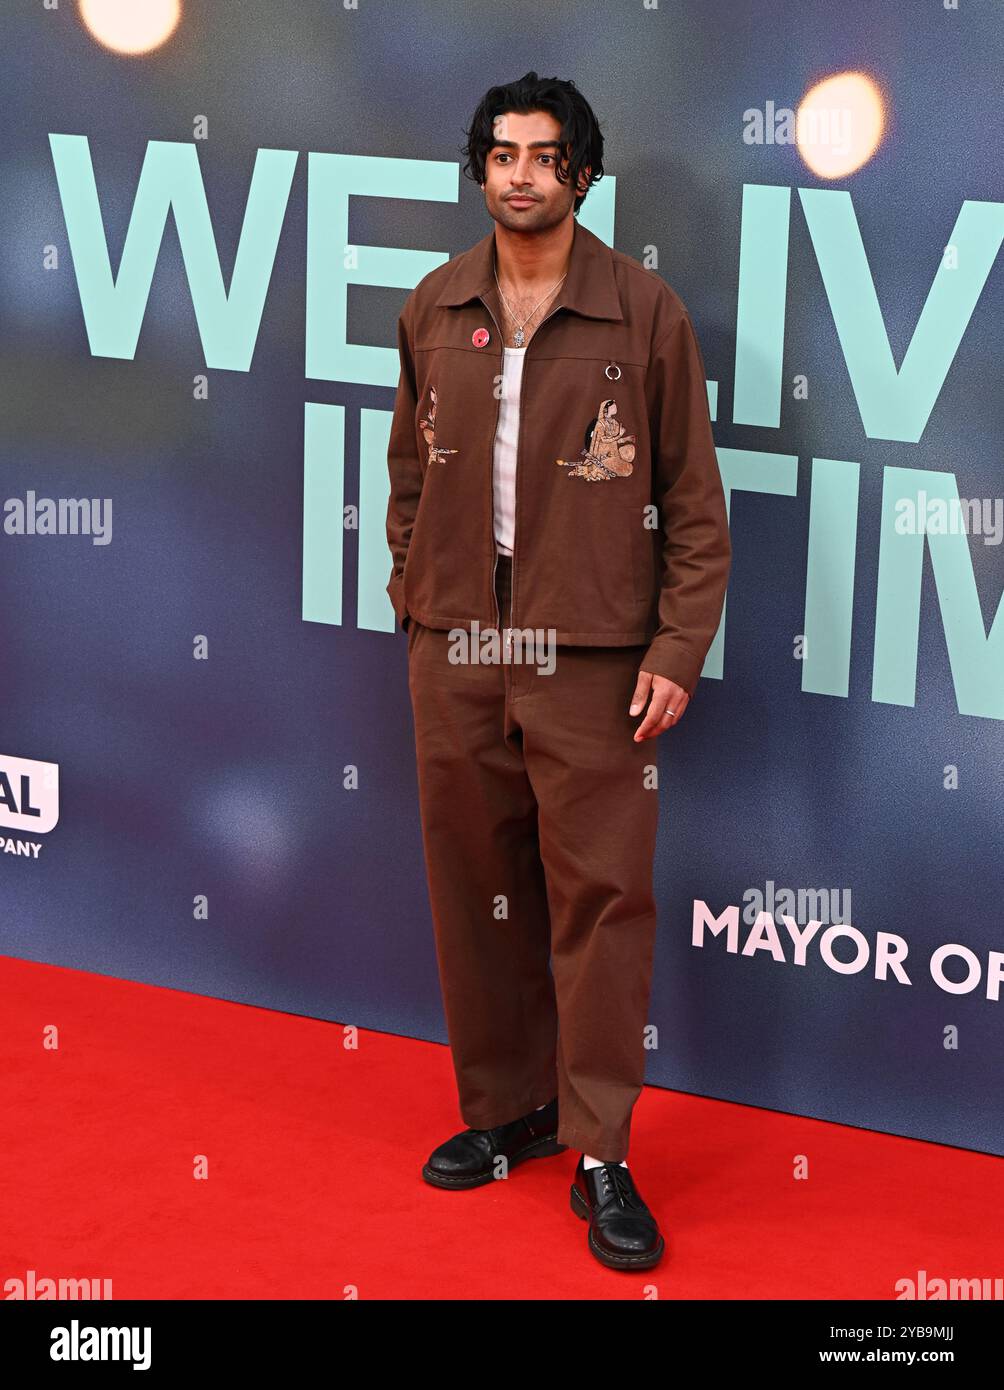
x=581 y=139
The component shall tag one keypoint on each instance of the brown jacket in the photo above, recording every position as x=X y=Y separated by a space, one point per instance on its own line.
x=613 y=418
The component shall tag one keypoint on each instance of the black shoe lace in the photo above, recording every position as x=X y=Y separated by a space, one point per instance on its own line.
x=617 y=1182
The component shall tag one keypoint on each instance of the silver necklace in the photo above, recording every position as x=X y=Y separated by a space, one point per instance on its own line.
x=518 y=337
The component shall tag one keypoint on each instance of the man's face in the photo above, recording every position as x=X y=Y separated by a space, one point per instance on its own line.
x=521 y=190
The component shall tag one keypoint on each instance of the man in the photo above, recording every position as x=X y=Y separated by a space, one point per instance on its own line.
x=551 y=462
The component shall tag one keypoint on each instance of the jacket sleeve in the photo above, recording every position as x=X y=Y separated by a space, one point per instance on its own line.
x=404 y=465
x=687 y=486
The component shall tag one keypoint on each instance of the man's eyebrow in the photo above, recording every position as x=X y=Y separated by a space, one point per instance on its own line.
x=533 y=145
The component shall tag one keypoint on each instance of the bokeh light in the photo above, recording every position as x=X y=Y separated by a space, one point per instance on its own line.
x=131 y=26
x=840 y=123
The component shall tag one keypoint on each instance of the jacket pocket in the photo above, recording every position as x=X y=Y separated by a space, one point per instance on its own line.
x=640 y=540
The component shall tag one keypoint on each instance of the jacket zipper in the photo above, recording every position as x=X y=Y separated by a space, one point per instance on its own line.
x=491 y=474
x=515 y=495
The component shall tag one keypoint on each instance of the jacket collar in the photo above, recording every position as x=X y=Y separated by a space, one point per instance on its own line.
x=590 y=287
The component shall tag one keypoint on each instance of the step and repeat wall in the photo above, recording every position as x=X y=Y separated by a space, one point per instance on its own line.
x=212 y=216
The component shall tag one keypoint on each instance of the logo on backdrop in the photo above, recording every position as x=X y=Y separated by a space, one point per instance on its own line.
x=894 y=399
x=885 y=959
x=29 y=802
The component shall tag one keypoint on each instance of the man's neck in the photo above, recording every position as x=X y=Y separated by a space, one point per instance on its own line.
x=529 y=261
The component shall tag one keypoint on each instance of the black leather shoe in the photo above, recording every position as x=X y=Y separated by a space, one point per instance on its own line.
x=468 y=1159
x=622 y=1231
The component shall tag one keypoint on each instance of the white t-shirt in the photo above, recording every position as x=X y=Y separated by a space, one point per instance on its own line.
x=506 y=440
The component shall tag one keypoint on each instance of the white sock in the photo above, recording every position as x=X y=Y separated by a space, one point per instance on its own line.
x=589 y=1162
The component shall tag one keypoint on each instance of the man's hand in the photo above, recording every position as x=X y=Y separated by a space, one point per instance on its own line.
x=666 y=706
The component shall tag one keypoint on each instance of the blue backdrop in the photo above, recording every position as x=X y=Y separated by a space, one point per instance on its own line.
x=221 y=685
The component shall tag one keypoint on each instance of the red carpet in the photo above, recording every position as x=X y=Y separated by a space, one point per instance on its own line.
x=314 y=1152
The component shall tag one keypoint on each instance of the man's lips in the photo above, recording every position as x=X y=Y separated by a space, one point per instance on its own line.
x=521 y=200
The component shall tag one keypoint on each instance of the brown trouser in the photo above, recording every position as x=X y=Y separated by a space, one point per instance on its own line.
x=539 y=826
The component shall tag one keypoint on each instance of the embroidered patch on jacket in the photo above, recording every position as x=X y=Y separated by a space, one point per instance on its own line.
x=428 y=427
x=609 y=451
